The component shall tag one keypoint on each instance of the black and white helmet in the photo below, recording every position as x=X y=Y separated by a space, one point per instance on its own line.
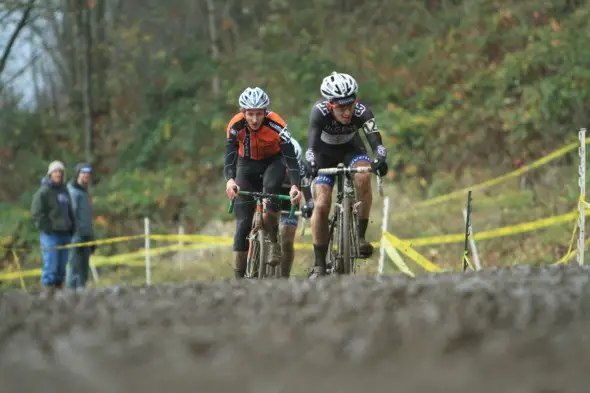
x=339 y=88
x=254 y=98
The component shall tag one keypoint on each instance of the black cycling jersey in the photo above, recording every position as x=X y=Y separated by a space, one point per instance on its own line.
x=325 y=133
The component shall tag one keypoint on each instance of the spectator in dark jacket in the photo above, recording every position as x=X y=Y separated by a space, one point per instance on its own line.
x=53 y=216
x=82 y=204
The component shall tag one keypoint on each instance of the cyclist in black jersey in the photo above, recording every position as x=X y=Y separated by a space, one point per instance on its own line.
x=333 y=138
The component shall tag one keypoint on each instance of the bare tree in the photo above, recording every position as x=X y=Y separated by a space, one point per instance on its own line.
x=84 y=22
x=213 y=37
x=19 y=27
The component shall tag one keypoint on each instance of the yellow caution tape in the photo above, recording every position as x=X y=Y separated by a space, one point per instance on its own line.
x=123 y=258
x=482 y=202
x=466 y=262
x=97 y=242
x=500 y=232
x=492 y=182
x=193 y=238
x=569 y=252
x=17 y=262
x=404 y=247
x=19 y=275
x=205 y=239
x=396 y=258
x=130 y=259
x=86 y=244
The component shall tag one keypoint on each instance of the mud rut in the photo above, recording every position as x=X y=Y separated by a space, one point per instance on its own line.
x=509 y=330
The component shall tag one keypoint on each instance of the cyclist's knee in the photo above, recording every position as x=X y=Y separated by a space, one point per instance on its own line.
x=363 y=181
x=323 y=198
x=287 y=238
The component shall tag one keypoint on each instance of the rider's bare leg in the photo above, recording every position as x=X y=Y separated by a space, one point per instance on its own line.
x=362 y=182
x=271 y=226
x=287 y=250
x=320 y=224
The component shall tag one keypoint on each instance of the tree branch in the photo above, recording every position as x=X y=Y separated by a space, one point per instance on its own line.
x=20 y=72
x=7 y=14
x=21 y=24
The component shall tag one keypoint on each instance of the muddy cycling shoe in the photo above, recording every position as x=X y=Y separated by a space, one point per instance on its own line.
x=274 y=254
x=365 y=249
x=316 y=272
x=241 y=259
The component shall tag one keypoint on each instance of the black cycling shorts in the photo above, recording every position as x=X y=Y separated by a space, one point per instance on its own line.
x=255 y=175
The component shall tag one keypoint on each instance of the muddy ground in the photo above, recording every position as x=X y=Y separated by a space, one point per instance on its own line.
x=506 y=330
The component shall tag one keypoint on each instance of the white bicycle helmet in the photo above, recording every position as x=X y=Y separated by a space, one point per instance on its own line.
x=297 y=148
x=339 y=88
x=253 y=98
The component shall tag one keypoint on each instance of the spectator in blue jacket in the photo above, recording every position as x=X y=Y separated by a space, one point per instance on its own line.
x=82 y=204
x=52 y=213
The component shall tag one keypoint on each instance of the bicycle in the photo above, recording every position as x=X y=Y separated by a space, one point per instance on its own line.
x=344 y=247
x=256 y=265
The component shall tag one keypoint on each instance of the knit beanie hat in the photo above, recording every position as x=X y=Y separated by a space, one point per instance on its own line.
x=56 y=166
x=83 y=167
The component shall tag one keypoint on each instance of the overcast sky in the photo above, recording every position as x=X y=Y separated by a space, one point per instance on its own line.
x=20 y=56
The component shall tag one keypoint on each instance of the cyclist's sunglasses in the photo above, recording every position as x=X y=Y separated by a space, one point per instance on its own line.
x=337 y=106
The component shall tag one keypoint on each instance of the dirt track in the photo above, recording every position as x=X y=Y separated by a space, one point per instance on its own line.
x=519 y=330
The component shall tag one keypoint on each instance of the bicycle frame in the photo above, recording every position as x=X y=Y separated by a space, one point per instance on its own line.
x=344 y=247
x=257 y=237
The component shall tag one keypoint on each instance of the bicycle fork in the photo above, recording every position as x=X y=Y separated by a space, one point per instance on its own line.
x=355 y=238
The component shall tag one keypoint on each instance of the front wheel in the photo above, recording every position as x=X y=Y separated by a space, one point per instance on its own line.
x=347 y=229
x=333 y=250
x=253 y=261
x=262 y=255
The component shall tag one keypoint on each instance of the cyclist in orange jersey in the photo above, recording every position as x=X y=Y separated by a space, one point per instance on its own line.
x=258 y=149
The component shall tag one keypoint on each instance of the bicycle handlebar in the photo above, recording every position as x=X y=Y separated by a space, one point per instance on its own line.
x=338 y=171
x=358 y=169
x=262 y=195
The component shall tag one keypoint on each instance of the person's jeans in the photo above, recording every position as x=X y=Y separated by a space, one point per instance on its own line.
x=79 y=264
x=53 y=272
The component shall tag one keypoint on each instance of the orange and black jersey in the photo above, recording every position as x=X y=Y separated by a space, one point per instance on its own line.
x=270 y=139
